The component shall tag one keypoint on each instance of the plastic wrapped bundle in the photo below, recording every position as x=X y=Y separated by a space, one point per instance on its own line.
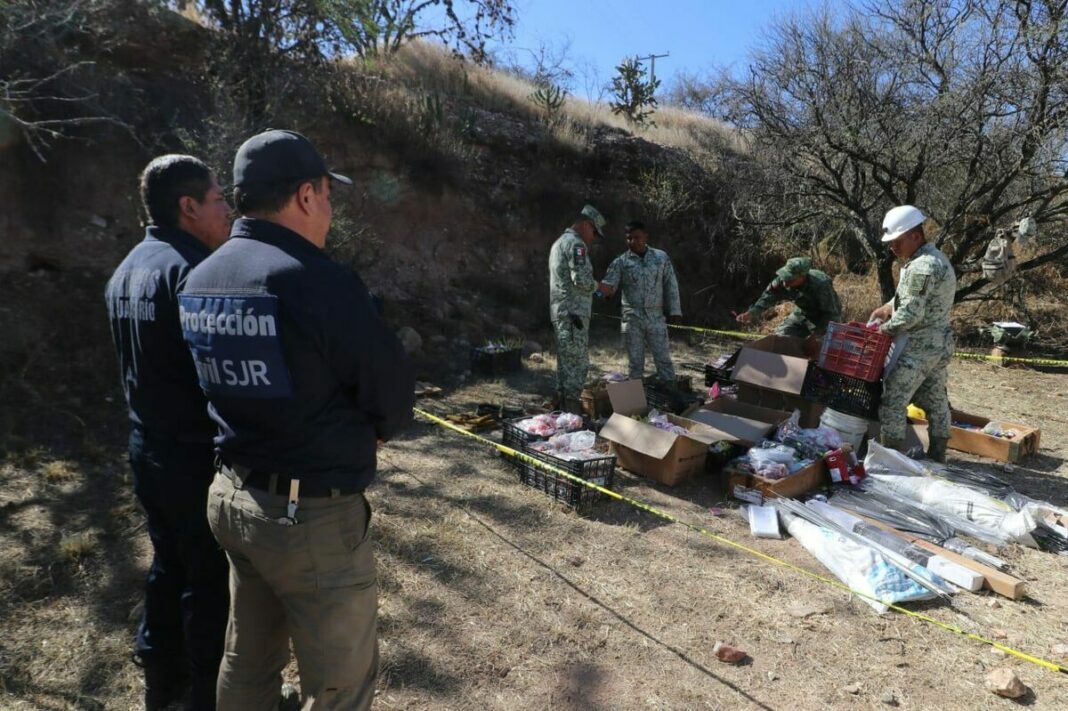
x=811 y=443
x=868 y=500
x=874 y=500
x=570 y=445
x=858 y=566
x=960 y=505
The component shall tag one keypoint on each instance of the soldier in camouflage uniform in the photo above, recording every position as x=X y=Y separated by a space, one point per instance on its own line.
x=812 y=292
x=920 y=308
x=571 y=287
x=647 y=279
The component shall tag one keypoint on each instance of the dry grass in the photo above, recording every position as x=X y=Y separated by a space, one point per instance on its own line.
x=76 y=546
x=59 y=471
x=426 y=67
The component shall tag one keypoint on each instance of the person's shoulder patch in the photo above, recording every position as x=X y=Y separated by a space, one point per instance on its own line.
x=917 y=283
x=580 y=252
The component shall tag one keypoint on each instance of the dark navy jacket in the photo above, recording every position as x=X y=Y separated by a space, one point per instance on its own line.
x=158 y=376
x=302 y=375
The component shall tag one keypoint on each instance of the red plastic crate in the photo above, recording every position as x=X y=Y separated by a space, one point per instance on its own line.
x=853 y=349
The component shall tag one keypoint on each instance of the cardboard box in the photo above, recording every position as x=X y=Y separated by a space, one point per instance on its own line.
x=749 y=424
x=771 y=372
x=808 y=479
x=663 y=456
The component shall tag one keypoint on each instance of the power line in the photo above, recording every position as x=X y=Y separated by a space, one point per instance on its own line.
x=652 y=63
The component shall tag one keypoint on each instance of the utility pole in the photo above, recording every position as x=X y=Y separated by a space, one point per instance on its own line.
x=652 y=63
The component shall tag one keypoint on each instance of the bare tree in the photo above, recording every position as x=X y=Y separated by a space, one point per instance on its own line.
x=548 y=64
x=956 y=106
x=264 y=37
x=381 y=27
x=47 y=93
x=594 y=86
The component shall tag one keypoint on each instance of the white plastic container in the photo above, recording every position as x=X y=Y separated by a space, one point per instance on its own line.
x=851 y=429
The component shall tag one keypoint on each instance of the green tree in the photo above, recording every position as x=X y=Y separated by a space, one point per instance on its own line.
x=634 y=96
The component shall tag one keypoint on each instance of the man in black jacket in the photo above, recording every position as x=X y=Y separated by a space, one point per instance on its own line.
x=305 y=381
x=180 y=638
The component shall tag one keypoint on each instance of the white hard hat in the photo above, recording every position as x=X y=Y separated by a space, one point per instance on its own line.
x=900 y=220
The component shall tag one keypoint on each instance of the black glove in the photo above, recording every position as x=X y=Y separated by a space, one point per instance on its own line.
x=576 y=322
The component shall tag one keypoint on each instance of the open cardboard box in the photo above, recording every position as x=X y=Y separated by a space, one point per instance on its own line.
x=975 y=442
x=748 y=424
x=771 y=372
x=660 y=455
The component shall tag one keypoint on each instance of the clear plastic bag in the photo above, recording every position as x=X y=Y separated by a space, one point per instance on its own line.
x=858 y=566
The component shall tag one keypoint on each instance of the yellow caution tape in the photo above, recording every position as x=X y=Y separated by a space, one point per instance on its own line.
x=959 y=354
x=504 y=449
x=1011 y=359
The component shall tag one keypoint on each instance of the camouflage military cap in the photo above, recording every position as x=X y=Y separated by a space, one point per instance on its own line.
x=794 y=267
x=590 y=212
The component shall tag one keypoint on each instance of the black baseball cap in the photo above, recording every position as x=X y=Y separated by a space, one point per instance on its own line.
x=277 y=156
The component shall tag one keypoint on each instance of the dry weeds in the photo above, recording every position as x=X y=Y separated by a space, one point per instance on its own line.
x=428 y=67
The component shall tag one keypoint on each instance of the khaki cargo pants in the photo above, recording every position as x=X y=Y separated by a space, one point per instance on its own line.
x=313 y=582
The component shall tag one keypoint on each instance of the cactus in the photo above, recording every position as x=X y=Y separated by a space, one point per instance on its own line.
x=550 y=99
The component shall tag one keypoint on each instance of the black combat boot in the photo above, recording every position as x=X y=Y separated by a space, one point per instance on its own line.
x=936 y=451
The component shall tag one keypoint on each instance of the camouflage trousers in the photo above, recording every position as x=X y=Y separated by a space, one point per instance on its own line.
x=652 y=330
x=920 y=378
x=796 y=325
x=572 y=357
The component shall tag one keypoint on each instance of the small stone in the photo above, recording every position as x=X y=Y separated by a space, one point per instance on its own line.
x=575 y=561
x=1004 y=682
x=530 y=348
x=1060 y=650
x=772 y=676
x=993 y=603
x=783 y=639
x=889 y=699
x=851 y=689
x=727 y=653
x=995 y=652
x=999 y=634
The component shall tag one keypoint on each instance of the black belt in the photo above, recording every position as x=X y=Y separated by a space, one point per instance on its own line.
x=245 y=478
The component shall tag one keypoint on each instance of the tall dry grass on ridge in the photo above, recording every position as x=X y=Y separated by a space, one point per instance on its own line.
x=427 y=67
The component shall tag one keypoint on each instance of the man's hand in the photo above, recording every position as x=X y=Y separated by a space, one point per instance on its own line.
x=674 y=319
x=576 y=321
x=743 y=317
x=883 y=313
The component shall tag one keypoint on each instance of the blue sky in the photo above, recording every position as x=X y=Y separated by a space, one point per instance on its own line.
x=699 y=34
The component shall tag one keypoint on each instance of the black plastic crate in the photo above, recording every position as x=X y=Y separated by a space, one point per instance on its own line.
x=600 y=471
x=514 y=437
x=722 y=373
x=669 y=399
x=493 y=363
x=844 y=393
